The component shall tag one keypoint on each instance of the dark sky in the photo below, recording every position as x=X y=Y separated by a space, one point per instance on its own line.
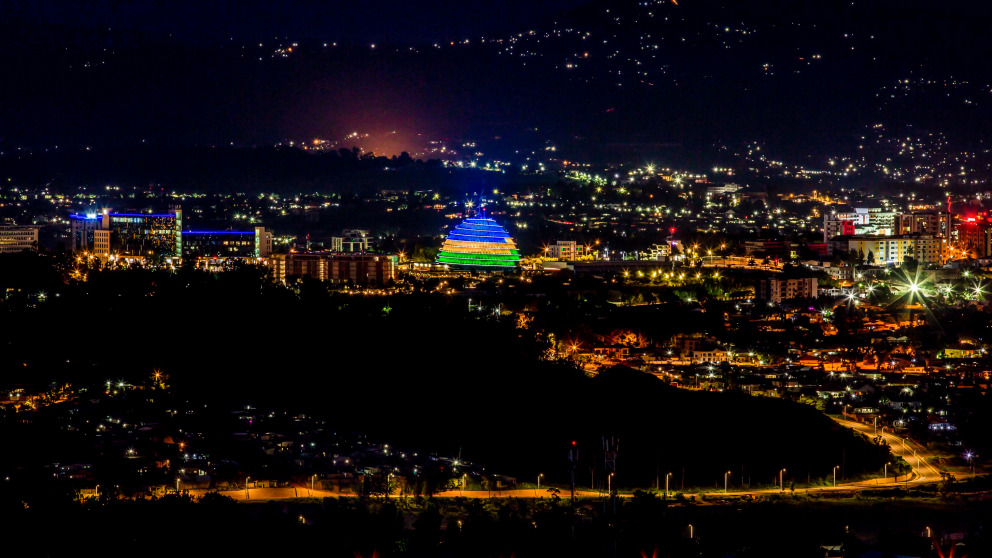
x=118 y=72
x=403 y=21
x=139 y=82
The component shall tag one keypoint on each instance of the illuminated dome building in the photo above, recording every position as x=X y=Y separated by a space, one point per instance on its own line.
x=479 y=243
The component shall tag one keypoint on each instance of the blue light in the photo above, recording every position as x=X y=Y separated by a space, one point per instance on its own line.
x=172 y=215
x=218 y=232
x=83 y=217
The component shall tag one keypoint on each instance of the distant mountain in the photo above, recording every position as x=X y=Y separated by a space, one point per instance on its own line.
x=612 y=80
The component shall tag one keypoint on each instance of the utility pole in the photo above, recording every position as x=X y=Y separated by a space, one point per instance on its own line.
x=573 y=459
x=610 y=447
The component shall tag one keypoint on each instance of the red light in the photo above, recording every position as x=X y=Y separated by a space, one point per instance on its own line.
x=671 y=230
x=573 y=442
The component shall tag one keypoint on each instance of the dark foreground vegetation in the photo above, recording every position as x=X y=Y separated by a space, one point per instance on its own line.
x=642 y=525
x=417 y=370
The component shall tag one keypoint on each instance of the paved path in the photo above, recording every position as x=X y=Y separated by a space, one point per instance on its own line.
x=920 y=459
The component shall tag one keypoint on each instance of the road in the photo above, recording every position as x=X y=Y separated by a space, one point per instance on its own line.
x=919 y=458
x=300 y=491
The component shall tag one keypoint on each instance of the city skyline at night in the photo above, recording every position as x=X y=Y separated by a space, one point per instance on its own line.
x=586 y=278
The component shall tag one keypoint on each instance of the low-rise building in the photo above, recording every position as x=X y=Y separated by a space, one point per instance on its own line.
x=776 y=289
x=15 y=239
x=894 y=250
x=337 y=267
x=711 y=356
x=352 y=240
x=201 y=246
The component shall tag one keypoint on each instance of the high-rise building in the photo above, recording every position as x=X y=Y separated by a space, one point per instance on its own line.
x=140 y=236
x=144 y=235
x=263 y=242
x=82 y=229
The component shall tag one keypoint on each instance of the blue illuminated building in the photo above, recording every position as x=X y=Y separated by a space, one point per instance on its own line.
x=479 y=243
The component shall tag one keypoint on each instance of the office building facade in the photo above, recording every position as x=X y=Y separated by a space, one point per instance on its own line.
x=777 y=290
x=224 y=245
x=14 y=239
x=82 y=231
x=336 y=267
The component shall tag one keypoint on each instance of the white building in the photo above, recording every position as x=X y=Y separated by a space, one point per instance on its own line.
x=862 y=221
x=567 y=250
x=15 y=239
x=351 y=240
x=716 y=355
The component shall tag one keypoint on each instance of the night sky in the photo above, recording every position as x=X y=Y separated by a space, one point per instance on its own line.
x=703 y=76
x=378 y=20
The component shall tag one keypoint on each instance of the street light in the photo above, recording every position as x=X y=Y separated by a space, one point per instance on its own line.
x=247 y=494
x=781 y=480
x=725 y=475
x=835 y=474
x=609 y=483
x=539 y=481
x=312 y=479
x=666 y=483
x=690 y=530
x=886 y=471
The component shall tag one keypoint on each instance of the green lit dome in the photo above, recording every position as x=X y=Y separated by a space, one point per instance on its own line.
x=479 y=243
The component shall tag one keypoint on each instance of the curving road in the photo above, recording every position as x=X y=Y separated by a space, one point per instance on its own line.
x=919 y=458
